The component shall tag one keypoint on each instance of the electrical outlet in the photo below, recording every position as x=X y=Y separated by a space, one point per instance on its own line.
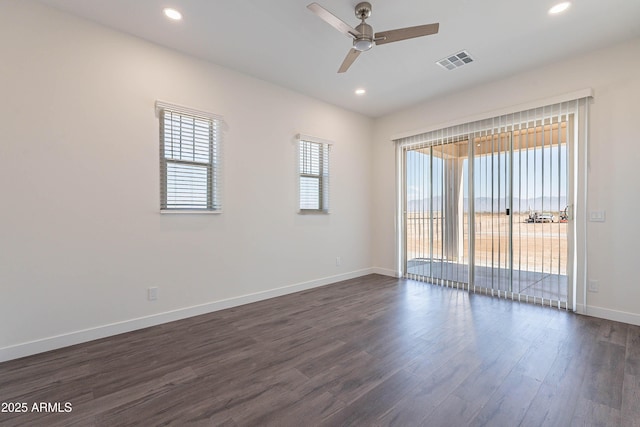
x=597 y=216
x=152 y=293
x=338 y=261
x=593 y=286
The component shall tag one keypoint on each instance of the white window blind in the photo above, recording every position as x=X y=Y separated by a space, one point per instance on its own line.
x=190 y=159
x=313 y=174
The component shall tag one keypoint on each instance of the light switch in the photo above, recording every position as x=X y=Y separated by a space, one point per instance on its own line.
x=596 y=216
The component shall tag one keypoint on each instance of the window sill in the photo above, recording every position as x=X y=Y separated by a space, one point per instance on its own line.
x=188 y=212
x=312 y=212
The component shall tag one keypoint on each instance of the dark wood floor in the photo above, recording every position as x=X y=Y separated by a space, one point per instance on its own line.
x=373 y=351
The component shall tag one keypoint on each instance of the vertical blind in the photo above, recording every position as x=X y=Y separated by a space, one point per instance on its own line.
x=313 y=174
x=190 y=159
x=477 y=201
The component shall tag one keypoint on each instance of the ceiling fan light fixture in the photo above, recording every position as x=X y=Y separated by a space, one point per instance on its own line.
x=362 y=44
x=172 y=14
x=559 y=8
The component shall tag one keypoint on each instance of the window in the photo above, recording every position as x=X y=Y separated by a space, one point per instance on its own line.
x=189 y=159
x=313 y=173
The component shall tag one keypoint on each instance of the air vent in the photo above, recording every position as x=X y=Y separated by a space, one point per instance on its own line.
x=455 y=61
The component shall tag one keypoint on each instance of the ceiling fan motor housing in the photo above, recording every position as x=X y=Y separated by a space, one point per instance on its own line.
x=364 y=41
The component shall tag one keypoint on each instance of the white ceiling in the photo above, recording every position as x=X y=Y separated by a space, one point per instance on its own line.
x=281 y=41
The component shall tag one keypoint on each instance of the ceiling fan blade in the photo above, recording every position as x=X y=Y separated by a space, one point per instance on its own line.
x=406 y=33
x=333 y=20
x=348 y=60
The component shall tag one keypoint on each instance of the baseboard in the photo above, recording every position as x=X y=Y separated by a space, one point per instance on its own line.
x=606 y=313
x=385 y=272
x=85 y=335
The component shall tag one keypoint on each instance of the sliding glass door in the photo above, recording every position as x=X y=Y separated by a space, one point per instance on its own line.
x=487 y=208
x=541 y=165
x=492 y=209
x=436 y=218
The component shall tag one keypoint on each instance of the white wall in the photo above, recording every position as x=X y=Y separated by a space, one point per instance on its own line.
x=81 y=237
x=614 y=175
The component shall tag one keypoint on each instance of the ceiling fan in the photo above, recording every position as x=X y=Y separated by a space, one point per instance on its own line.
x=363 y=36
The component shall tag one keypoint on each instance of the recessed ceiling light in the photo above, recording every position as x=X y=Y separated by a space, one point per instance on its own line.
x=559 y=8
x=172 y=14
x=360 y=91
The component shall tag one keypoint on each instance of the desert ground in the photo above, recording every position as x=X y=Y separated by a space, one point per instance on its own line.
x=537 y=247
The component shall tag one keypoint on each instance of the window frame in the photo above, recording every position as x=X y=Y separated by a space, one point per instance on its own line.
x=213 y=165
x=322 y=176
